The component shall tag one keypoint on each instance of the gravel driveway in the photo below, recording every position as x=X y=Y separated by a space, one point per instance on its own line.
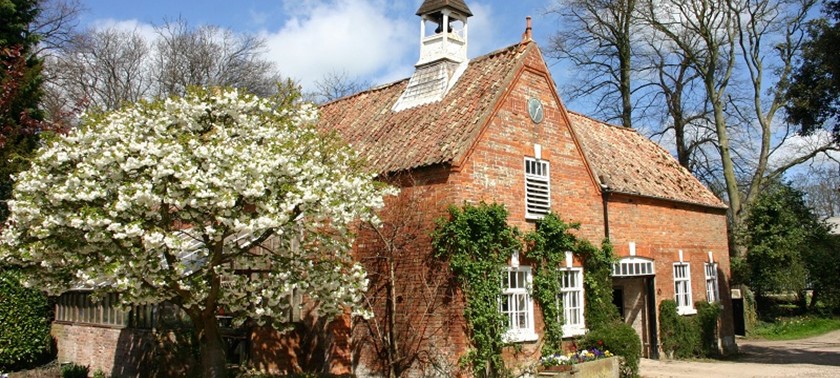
x=815 y=357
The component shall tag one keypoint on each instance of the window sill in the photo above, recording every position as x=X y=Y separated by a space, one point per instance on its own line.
x=520 y=337
x=686 y=311
x=574 y=332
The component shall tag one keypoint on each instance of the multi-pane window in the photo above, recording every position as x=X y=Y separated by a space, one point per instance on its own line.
x=571 y=298
x=712 y=293
x=682 y=288
x=516 y=305
x=537 y=188
x=79 y=307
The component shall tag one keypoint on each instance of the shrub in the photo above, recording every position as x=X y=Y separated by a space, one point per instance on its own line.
x=688 y=336
x=24 y=315
x=74 y=371
x=620 y=339
x=707 y=320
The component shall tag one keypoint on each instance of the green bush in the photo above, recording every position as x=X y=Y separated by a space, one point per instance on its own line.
x=74 y=371
x=25 y=331
x=707 y=319
x=688 y=336
x=620 y=339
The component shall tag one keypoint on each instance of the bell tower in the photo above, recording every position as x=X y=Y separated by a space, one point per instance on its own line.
x=443 y=52
x=443 y=31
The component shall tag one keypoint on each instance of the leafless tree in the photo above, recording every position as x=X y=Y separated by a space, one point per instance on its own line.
x=821 y=185
x=597 y=37
x=407 y=287
x=105 y=68
x=335 y=85
x=742 y=52
x=56 y=23
x=101 y=69
x=210 y=56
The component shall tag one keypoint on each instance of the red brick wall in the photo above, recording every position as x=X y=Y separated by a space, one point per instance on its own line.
x=660 y=229
x=493 y=171
x=113 y=350
x=428 y=319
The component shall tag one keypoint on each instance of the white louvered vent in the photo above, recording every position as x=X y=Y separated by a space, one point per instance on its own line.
x=537 y=188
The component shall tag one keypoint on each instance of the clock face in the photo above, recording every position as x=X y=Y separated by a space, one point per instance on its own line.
x=535 y=110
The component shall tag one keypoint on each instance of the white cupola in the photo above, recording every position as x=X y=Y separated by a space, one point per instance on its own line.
x=443 y=31
x=443 y=52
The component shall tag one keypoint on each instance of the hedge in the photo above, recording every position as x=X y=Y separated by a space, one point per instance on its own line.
x=24 y=314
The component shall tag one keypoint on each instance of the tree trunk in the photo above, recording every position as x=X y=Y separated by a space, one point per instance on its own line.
x=393 y=349
x=814 y=297
x=211 y=345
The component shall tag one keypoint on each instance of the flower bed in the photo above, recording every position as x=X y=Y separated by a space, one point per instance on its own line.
x=591 y=363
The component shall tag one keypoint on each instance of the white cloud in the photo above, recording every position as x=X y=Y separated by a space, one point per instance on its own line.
x=799 y=145
x=353 y=36
x=145 y=30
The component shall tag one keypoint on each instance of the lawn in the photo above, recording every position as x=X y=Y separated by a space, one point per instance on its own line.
x=795 y=328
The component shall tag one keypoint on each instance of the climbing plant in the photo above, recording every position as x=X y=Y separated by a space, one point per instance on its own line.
x=477 y=241
x=547 y=247
x=598 y=284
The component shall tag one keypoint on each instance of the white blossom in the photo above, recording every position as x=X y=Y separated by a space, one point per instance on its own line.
x=154 y=200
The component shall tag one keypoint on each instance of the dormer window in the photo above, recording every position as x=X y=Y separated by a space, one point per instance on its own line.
x=537 y=188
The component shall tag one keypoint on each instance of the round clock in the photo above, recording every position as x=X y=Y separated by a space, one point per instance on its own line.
x=535 y=110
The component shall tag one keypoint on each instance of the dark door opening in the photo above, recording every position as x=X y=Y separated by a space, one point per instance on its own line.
x=618 y=301
x=651 y=310
x=738 y=316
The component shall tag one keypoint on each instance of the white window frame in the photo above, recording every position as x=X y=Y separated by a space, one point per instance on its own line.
x=517 y=332
x=682 y=289
x=537 y=187
x=567 y=291
x=712 y=288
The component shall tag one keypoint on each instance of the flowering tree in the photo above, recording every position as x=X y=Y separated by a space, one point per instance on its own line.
x=217 y=199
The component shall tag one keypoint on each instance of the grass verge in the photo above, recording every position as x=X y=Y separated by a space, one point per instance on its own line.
x=795 y=328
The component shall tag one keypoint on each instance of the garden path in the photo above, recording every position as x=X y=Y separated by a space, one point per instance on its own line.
x=813 y=357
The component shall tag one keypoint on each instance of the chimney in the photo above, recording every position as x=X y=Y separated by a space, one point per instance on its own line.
x=526 y=37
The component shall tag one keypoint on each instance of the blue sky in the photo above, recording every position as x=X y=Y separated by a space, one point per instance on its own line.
x=375 y=40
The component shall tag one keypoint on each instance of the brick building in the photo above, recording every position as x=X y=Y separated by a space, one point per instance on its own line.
x=461 y=130
x=493 y=129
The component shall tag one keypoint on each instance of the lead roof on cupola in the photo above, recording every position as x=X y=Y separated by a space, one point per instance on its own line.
x=430 y=6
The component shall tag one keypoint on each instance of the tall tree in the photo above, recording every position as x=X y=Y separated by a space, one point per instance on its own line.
x=596 y=36
x=814 y=93
x=106 y=68
x=821 y=185
x=215 y=199
x=782 y=234
x=20 y=92
x=208 y=55
x=743 y=52
x=100 y=69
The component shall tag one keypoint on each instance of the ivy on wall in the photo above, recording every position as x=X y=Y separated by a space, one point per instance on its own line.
x=547 y=247
x=478 y=241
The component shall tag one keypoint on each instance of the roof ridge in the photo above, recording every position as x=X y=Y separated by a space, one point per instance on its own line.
x=372 y=89
x=388 y=85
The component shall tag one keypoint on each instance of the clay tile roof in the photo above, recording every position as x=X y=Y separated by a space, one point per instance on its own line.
x=432 y=5
x=436 y=133
x=633 y=164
